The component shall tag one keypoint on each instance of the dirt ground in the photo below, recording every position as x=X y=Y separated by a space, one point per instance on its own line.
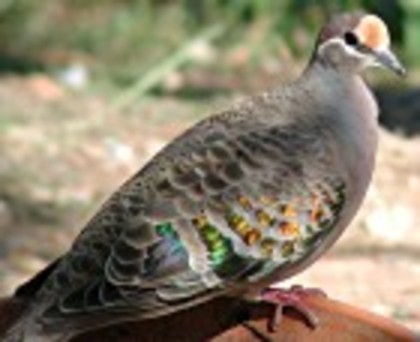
x=63 y=153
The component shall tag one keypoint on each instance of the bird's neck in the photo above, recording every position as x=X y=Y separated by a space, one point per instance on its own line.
x=349 y=107
x=340 y=87
x=318 y=69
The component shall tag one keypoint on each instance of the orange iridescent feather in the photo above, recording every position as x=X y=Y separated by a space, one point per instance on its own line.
x=289 y=229
x=317 y=211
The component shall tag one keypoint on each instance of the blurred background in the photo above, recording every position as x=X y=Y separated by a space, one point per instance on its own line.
x=90 y=90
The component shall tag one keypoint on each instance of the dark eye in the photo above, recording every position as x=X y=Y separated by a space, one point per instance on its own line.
x=351 y=39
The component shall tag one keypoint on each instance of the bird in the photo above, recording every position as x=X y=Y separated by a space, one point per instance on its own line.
x=249 y=196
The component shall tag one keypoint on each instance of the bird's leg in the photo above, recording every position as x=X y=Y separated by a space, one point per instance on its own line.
x=293 y=298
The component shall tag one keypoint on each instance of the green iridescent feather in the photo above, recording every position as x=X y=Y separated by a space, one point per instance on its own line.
x=222 y=258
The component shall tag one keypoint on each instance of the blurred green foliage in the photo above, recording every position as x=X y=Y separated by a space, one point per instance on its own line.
x=124 y=38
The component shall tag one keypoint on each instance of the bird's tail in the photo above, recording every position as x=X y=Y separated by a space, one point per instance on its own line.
x=16 y=333
x=25 y=330
x=12 y=336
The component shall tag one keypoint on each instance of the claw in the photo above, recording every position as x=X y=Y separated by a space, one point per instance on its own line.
x=294 y=298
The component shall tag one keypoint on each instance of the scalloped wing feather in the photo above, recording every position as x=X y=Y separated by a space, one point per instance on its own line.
x=208 y=212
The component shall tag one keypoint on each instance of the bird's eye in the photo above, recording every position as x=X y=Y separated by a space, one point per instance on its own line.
x=351 y=39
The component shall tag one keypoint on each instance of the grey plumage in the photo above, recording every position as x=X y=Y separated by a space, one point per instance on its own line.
x=244 y=198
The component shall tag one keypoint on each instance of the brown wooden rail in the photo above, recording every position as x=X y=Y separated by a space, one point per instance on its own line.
x=218 y=321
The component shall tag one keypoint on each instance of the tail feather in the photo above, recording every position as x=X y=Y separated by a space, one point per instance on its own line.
x=26 y=331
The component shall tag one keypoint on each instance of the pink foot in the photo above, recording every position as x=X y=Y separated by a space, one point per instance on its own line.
x=294 y=298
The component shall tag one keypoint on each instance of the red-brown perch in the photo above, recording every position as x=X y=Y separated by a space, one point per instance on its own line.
x=218 y=321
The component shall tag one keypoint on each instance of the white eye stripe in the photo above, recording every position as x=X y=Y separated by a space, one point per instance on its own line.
x=350 y=50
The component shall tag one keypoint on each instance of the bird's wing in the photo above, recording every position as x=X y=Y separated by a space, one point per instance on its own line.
x=213 y=209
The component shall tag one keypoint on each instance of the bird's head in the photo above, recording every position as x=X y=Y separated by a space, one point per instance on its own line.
x=355 y=41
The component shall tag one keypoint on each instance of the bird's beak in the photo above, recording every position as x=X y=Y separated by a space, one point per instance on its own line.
x=387 y=59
